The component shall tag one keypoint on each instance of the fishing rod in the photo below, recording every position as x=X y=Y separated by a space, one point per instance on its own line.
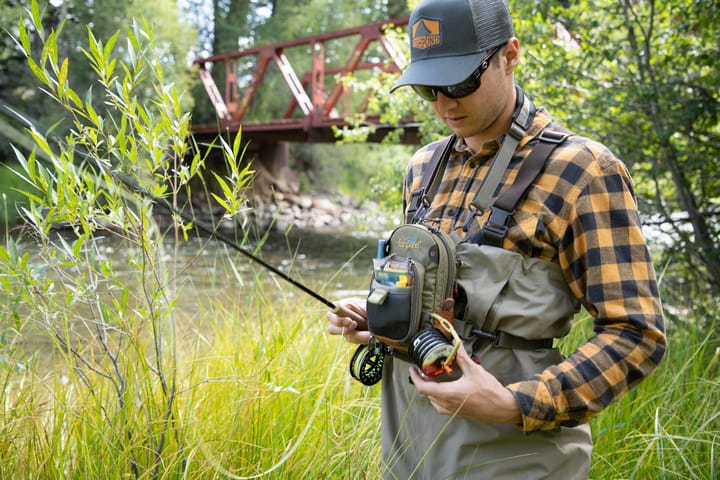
x=135 y=187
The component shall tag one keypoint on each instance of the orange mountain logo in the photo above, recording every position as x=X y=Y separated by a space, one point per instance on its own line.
x=425 y=33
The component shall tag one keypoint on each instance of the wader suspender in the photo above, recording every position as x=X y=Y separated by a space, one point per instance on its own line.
x=495 y=227
x=421 y=198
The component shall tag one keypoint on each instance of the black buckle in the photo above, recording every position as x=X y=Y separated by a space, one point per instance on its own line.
x=416 y=201
x=552 y=136
x=497 y=222
x=486 y=335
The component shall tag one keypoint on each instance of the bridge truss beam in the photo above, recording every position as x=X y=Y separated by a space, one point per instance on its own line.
x=313 y=109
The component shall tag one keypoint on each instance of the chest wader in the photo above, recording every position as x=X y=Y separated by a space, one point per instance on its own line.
x=515 y=306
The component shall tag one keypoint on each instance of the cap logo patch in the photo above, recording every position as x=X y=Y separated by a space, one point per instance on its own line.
x=425 y=33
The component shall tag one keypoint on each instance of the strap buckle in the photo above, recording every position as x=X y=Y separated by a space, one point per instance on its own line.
x=485 y=335
x=497 y=223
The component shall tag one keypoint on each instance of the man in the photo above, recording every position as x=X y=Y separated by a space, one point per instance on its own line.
x=519 y=410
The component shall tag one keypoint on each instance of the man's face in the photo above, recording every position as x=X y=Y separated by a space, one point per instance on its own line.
x=481 y=116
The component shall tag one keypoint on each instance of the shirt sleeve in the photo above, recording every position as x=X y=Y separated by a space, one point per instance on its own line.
x=606 y=262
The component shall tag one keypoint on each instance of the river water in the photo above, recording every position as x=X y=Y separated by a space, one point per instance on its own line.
x=334 y=262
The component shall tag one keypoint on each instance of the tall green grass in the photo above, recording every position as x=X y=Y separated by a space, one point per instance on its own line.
x=262 y=390
x=669 y=426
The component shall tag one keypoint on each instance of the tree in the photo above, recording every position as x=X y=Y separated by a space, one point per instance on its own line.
x=18 y=87
x=642 y=77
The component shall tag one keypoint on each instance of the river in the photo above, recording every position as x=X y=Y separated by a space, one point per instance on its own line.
x=334 y=262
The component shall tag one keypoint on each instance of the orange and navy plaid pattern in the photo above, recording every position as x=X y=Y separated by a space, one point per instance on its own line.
x=581 y=213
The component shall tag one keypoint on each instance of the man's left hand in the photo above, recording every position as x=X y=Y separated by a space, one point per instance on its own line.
x=476 y=395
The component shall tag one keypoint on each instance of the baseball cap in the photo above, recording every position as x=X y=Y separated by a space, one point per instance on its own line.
x=449 y=39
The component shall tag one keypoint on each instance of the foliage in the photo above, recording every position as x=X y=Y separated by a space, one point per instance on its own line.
x=116 y=346
x=18 y=85
x=642 y=78
x=11 y=198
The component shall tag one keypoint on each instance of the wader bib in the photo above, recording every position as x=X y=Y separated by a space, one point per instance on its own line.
x=517 y=300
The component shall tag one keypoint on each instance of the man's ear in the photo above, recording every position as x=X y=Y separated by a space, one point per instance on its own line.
x=511 y=52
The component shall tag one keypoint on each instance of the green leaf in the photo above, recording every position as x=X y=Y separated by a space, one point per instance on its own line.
x=41 y=142
x=37 y=19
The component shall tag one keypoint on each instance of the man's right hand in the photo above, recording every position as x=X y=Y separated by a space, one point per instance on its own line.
x=349 y=319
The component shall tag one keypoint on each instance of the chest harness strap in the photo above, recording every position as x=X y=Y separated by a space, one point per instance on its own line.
x=495 y=228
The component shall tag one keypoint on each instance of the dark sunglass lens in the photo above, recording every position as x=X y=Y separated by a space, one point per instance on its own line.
x=461 y=89
x=427 y=93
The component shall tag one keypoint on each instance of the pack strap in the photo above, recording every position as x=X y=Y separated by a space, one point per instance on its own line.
x=521 y=121
x=421 y=198
x=495 y=227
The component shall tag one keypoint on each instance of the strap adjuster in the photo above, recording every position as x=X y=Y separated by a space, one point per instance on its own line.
x=516 y=131
x=552 y=136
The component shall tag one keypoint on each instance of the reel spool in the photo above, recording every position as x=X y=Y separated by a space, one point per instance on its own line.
x=430 y=350
x=366 y=364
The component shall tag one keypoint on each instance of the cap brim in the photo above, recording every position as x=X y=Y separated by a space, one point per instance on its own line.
x=439 y=72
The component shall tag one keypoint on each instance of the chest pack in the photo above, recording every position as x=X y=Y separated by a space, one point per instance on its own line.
x=413 y=286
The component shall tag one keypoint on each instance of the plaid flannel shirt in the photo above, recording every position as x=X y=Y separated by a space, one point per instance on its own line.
x=580 y=213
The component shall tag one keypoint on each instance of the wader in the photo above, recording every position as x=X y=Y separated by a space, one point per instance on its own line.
x=522 y=304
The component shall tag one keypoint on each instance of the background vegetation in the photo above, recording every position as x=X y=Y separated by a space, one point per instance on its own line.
x=101 y=379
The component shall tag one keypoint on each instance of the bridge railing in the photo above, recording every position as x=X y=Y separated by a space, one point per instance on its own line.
x=319 y=99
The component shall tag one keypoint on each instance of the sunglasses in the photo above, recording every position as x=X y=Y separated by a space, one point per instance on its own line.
x=459 y=90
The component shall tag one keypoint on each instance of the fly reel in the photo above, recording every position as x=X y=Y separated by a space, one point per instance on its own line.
x=432 y=352
x=366 y=364
x=429 y=349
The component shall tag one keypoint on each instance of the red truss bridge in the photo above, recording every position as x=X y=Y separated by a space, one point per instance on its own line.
x=310 y=92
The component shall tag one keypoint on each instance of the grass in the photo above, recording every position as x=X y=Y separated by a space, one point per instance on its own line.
x=262 y=390
x=264 y=393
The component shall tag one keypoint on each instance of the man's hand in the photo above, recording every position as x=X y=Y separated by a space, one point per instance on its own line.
x=477 y=395
x=350 y=320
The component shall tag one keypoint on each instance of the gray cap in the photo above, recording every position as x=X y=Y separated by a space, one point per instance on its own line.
x=449 y=39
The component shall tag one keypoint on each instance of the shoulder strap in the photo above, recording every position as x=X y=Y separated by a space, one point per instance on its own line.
x=522 y=118
x=422 y=197
x=495 y=227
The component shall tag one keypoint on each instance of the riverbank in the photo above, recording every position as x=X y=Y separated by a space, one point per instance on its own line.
x=280 y=211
